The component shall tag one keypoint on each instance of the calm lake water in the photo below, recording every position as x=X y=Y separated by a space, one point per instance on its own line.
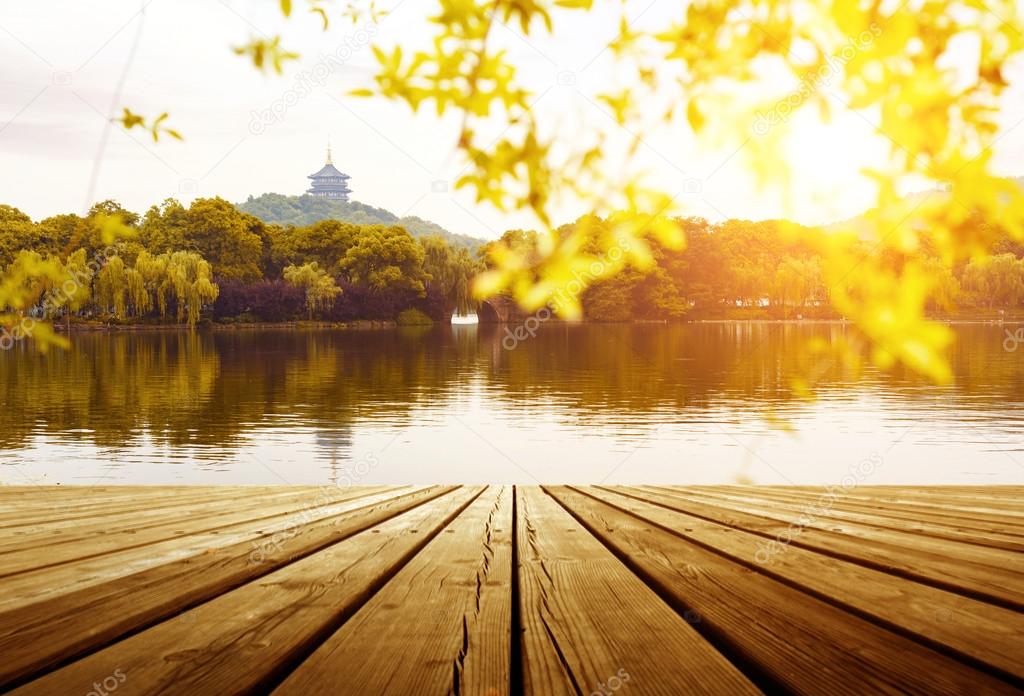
x=698 y=403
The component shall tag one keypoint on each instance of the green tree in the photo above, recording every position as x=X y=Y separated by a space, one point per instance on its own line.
x=112 y=287
x=74 y=291
x=320 y=288
x=997 y=281
x=451 y=270
x=386 y=258
x=191 y=278
x=324 y=242
x=155 y=281
x=17 y=232
x=231 y=241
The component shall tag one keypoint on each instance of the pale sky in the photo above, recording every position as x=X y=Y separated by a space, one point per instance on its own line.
x=63 y=59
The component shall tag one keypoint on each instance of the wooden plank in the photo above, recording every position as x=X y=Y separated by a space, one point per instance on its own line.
x=130 y=536
x=961 y=550
x=244 y=641
x=32 y=583
x=78 y=495
x=64 y=624
x=980 y=492
x=586 y=619
x=797 y=642
x=995 y=508
x=968 y=570
x=441 y=625
x=948 y=514
x=66 y=510
x=979 y=633
x=132 y=521
x=826 y=507
x=47 y=583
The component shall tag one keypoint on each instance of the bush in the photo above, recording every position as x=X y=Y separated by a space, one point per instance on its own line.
x=280 y=301
x=413 y=317
x=273 y=300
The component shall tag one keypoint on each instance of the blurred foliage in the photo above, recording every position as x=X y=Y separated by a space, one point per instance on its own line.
x=772 y=269
x=940 y=121
x=130 y=120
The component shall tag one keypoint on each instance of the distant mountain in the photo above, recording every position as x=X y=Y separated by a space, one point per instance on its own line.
x=860 y=224
x=304 y=210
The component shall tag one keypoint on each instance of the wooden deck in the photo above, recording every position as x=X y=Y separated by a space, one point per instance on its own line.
x=498 y=590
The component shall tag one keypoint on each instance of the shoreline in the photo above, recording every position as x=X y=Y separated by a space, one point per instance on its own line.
x=365 y=324
x=361 y=324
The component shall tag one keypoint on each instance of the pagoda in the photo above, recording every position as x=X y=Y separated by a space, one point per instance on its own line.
x=329 y=182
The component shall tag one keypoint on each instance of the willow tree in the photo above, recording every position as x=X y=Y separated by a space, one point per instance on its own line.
x=996 y=281
x=74 y=291
x=112 y=287
x=191 y=280
x=451 y=270
x=22 y=281
x=155 y=282
x=319 y=286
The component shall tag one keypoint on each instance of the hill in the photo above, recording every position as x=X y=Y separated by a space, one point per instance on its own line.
x=860 y=224
x=279 y=209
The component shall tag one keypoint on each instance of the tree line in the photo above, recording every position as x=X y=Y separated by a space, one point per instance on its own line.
x=181 y=264
x=765 y=269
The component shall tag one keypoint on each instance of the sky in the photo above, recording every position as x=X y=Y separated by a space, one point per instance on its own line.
x=63 y=61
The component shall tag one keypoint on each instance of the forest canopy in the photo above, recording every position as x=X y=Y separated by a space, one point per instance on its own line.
x=176 y=263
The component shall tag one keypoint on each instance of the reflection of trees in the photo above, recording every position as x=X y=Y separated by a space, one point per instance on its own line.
x=655 y=367
x=108 y=389
x=214 y=389
x=747 y=365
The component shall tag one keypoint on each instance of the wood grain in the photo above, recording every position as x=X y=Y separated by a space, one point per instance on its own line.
x=587 y=619
x=441 y=625
x=991 y=575
x=507 y=590
x=243 y=640
x=975 y=631
x=793 y=640
x=39 y=634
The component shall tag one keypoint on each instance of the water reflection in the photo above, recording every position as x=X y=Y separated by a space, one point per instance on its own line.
x=572 y=403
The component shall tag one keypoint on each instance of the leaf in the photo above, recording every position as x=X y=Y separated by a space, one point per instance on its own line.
x=694 y=116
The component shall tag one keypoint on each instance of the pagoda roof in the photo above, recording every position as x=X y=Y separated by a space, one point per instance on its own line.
x=328 y=170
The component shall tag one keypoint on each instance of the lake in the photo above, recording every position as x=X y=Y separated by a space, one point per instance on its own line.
x=690 y=403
